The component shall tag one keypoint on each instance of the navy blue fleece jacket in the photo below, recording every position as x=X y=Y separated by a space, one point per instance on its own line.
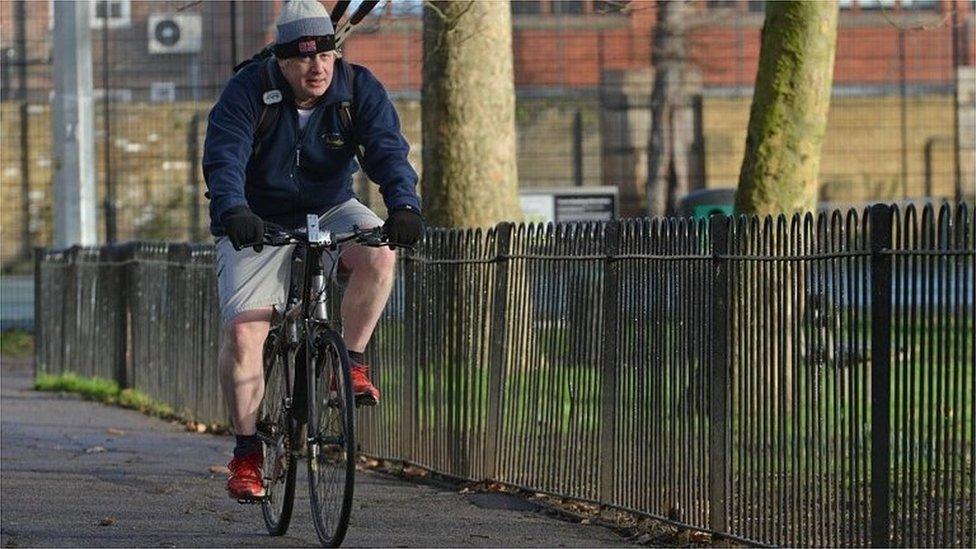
x=295 y=173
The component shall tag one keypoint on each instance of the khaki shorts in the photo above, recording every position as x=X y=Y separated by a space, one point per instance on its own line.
x=248 y=280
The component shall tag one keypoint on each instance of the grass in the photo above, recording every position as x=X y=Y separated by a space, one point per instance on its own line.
x=103 y=390
x=16 y=344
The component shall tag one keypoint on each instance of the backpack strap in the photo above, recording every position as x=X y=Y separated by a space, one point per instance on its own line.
x=271 y=97
x=347 y=112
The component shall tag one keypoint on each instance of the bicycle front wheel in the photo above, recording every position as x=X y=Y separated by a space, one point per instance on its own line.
x=277 y=432
x=331 y=435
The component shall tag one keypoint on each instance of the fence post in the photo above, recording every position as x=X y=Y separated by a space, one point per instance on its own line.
x=411 y=306
x=496 y=364
x=135 y=313
x=718 y=419
x=879 y=223
x=123 y=256
x=40 y=317
x=609 y=361
x=69 y=313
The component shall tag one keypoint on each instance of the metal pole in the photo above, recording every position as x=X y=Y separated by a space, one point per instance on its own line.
x=879 y=224
x=25 y=235
x=110 y=226
x=903 y=86
x=718 y=455
x=73 y=127
x=956 y=63
x=236 y=26
x=578 y=148
x=499 y=338
x=193 y=159
x=609 y=362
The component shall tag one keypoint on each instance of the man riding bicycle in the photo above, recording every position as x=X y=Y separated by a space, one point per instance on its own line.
x=301 y=165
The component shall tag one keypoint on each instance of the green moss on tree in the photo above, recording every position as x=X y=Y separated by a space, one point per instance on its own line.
x=789 y=108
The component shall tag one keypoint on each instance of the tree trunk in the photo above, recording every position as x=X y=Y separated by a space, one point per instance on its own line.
x=468 y=102
x=672 y=137
x=779 y=176
x=789 y=108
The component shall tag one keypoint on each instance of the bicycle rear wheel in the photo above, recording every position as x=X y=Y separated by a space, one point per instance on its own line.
x=331 y=437
x=277 y=430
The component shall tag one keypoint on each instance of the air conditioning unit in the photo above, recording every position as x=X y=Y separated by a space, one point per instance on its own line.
x=174 y=33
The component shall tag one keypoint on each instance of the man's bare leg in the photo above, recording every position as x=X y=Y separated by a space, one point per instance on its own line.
x=241 y=367
x=370 y=281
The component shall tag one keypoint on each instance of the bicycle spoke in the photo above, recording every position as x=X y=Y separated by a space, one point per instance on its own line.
x=278 y=470
x=331 y=459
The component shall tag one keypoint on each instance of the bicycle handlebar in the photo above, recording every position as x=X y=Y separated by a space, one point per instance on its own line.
x=275 y=235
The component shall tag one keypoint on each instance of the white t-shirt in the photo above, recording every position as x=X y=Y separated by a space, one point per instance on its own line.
x=303 y=116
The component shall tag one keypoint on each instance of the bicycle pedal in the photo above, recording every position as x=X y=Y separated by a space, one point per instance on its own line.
x=252 y=500
x=365 y=400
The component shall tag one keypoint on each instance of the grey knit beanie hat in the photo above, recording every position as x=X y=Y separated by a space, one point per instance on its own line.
x=301 y=18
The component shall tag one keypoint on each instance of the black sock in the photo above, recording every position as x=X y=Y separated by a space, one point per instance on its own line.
x=246 y=444
x=357 y=357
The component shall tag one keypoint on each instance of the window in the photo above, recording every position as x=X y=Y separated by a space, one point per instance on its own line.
x=876 y=4
x=722 y=3
x=846 y=4
x=609 y=6
x=918 y=4
x=525 y=7
x=115 y=12
x=567 y=7
x=162 y=92
x=119 y=13
x=757 y=6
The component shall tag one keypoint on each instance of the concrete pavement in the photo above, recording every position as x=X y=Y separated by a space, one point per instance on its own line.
x=77 y=473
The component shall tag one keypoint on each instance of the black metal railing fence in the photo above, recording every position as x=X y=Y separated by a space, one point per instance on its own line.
x=785 y=381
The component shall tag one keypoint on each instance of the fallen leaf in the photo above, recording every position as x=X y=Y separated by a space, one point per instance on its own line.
x=219 y=470
x=412 y=471
x=201 y=427
x=107 y=521
x=114 y=431
x=95 y=450
x=700 y=537
x=585 y=521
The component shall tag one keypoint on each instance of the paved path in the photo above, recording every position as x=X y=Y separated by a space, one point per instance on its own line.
x=151 y=486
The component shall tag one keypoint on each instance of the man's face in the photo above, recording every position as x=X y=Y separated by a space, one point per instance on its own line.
x=309 y=76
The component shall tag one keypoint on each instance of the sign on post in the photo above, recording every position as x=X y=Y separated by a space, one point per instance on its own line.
x=564 y=205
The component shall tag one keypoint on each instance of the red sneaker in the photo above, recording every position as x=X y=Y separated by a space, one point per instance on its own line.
x=245 y=477
x=362 y=388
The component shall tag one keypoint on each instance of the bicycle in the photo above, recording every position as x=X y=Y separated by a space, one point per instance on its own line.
x=304 y=356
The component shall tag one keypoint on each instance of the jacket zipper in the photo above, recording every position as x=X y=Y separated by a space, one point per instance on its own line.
x=298 y=144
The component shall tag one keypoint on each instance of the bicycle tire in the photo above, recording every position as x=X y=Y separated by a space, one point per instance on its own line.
x=280 y=466
x=331 y=436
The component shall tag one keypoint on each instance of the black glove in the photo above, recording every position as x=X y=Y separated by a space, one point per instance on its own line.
x=243 y=228
x=404 y=226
